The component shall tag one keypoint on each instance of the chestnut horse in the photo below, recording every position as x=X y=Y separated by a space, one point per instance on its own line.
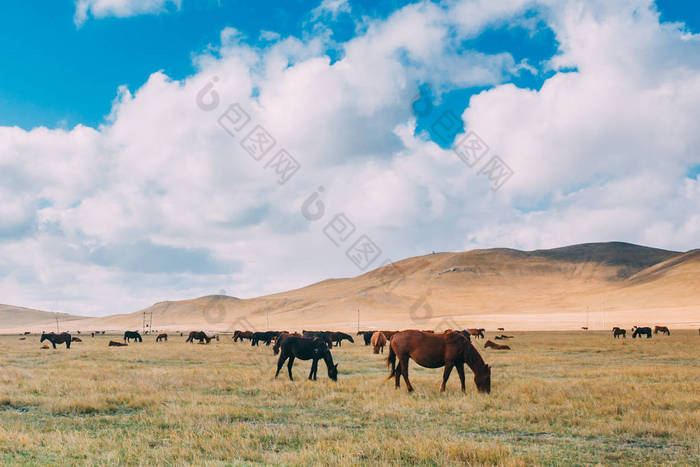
x=662 y=330
x=476 y=332
x=305 y=348
x=63 y=338
x=429 y=350
x=378 y=342
x=162 y=337
x=493 y=345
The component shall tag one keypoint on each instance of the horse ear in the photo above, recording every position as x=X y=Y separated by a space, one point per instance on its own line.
x=336 y=366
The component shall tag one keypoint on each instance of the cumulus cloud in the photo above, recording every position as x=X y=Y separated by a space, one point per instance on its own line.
x=162 y=202
x=119 y=8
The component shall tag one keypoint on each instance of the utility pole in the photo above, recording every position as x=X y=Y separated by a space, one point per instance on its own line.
x=57 y=330
x=358 y=320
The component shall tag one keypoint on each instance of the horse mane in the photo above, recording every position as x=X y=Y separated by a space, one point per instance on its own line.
x=473 y=358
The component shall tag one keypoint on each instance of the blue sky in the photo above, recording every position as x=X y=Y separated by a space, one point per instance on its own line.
x=370 y=97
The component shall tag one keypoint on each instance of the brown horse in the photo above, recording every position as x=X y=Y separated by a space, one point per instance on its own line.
x=117 y=344
x=493 y=345
x=378 y=342
x=389 y=334
x=76 y=339
x=366 y=336
x=450 y=349
x=201 y=336
x=162 y=337
x=476 y=332
x=240 y=335
x=63 y=338
x=278 y=340
x=662 y=330
x=617 y=332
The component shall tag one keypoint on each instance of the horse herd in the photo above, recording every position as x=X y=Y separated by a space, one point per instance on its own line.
x=450 y=349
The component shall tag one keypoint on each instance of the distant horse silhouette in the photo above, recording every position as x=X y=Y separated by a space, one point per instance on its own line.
x=62 y=338
x=198 y=335
x=501 y=329
x=662 y=330
x=263 y=336
x=493 y=345
x=76 y=339
x=162 y=337
x=338 y=338
x=240 y=335
x=644 y=331
x=305 y=348
x=378 y=342
x=450 y=349
x=585 y=328
x=132 y=335
x=503 y=336
x=476 y=332
x=116 y=344
x=617 y=332
x=366 y=335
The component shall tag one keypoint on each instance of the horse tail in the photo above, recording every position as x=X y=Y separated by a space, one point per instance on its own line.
x=391 y=362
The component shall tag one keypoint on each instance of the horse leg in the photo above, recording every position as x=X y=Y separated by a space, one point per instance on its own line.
x=312 y=373
x=54 y=344
x=289 y=367
x=404 y=372
x=280 y=362
x=460 y=372
x=446 y=375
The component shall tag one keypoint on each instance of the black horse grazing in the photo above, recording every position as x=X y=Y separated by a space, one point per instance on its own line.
x=617 y=332
x=305 y=348
x=63 y=338
x=645 y=331
x=265 y=336
x=366 y=335
x=132 y=335
x=198 y=335
x=339 y=337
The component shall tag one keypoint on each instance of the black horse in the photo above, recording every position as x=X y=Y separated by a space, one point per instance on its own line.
x=305 y=348
x=62 y=338
x=366 y=335
x=132 y=335
x=265 y=336
x=338 y=338
x=645 y=331
x=323 y=335
x=617 y=332
x=201 y=336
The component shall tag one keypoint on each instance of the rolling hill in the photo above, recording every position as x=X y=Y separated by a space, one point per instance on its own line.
x=597 y=285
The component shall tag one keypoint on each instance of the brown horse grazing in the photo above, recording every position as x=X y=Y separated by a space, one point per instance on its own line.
x=162 y=337
x=662 y=330
x=476 y=332
x=305 y=348
x=338 y=337
x=63 y=338
x=450 y=349
x=198 y=335
x=493 y=345
x=617 y=332
x=76 y=339
x=378 y=342
x=240 y=335
x=117 y=344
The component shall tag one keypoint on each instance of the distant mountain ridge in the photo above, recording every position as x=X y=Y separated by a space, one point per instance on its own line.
x=592 y=285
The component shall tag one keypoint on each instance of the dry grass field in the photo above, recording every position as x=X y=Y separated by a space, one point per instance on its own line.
x=557 y=398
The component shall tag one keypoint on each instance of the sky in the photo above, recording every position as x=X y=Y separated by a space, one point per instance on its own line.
x=166 y=149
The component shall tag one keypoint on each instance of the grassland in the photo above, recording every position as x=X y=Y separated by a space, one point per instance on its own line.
x=557 y=398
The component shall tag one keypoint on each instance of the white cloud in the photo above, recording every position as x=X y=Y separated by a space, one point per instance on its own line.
x=599 y=154
x=119 y=8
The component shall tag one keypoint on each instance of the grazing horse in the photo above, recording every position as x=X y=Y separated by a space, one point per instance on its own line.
x=265 y=336
x=323 y=335
x=240 y=335
x=493 y=345
x=116 y=344
x=645 y=331
x=450 y=349
x=198 y=335
x=132 y=335
x=305 y=348
x=339 y=337
x=63 y=338
x=162 y=337
x=501 y=329
x=366 y=335
x=662 y=330
x=617 y=332
x=378 y=342
x=476 y=332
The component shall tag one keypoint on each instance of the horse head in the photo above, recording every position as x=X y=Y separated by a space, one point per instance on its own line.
x=333 y=371
x=482 y=379
x=44 y=336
